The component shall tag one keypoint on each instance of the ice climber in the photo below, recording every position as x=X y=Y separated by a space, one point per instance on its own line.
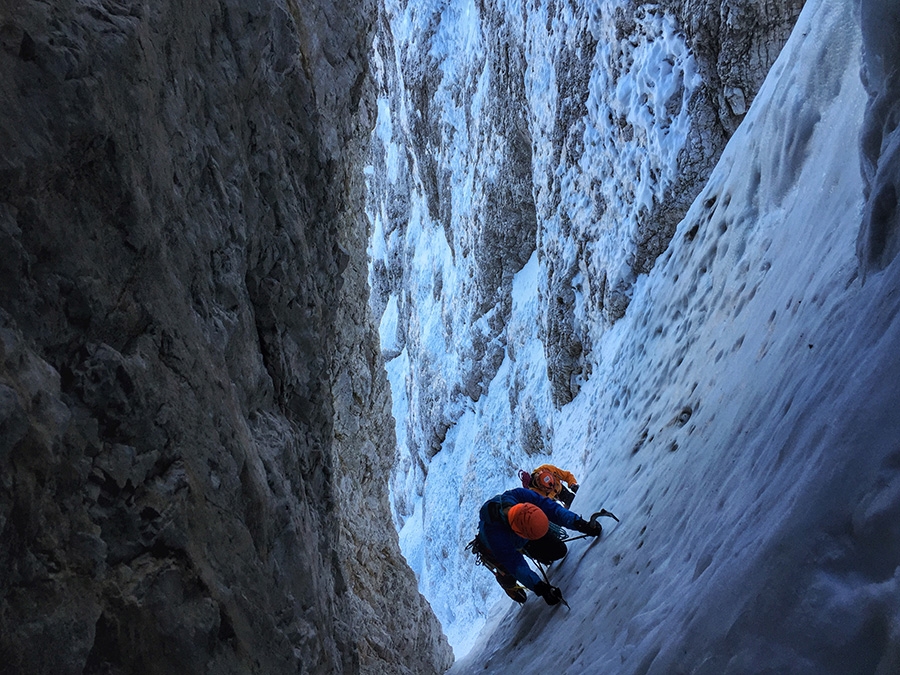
x=548 y=480
x=516 y=522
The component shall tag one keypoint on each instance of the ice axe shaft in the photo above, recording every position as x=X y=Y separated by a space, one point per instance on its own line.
x=547 y=581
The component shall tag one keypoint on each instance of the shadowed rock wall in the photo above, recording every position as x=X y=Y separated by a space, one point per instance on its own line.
x=194 y=420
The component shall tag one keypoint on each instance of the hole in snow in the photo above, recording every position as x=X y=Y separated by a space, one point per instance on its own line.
x=691 y=233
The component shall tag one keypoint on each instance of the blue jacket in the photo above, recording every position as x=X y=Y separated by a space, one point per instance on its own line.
x=504 y=544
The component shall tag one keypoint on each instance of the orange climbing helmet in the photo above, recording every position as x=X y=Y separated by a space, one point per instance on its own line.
x=528 y=521
x=545 y=482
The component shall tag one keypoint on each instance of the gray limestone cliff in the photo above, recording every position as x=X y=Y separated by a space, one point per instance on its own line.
x=195 y=430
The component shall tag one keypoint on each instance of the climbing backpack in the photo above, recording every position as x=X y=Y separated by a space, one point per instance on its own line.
x=525 y=477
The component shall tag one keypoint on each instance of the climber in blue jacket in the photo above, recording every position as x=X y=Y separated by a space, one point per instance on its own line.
x=518 y=521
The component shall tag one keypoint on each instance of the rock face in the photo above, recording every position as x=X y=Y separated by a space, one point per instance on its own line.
x=539 y=129
x=195 y=432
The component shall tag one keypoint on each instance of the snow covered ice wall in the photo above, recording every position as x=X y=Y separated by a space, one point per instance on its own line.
x=742 y=418
x=703 y=417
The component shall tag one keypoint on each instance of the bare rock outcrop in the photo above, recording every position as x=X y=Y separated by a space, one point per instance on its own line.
x=195 y=429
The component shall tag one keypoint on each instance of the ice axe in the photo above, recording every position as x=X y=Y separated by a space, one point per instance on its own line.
x=547 y=581
x=593 y=519
x=603 y=512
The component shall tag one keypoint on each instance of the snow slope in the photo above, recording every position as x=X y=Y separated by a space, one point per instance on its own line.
x=742 y=419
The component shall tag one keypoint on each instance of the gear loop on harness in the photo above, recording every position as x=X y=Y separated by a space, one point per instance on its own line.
x=482 y=557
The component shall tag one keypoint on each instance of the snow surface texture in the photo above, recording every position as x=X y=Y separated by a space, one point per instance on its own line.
x=741 y=420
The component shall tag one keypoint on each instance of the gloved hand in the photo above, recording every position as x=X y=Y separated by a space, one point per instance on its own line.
x=551 y=594
x=592 y=529
x=574 y=487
